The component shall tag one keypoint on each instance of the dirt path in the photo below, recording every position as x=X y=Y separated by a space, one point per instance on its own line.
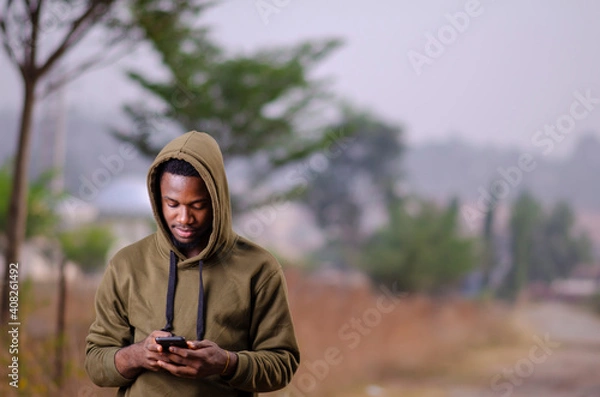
x=560 y=358
x=572 y=367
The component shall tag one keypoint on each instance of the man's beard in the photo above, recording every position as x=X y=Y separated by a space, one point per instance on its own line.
x=186 y=246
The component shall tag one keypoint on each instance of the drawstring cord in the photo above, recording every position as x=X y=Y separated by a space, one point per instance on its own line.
x=170 y=309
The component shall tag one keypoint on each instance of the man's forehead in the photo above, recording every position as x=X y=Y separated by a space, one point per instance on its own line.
x=176 y=182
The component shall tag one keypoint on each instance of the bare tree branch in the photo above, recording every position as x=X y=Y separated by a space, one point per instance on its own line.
x=6 y=39
x=78 y=28
x=34 y=15
x=98 y=61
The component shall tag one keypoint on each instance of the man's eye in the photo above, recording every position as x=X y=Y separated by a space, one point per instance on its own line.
x=172 y=205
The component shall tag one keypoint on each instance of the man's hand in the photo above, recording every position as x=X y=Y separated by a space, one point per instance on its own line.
x=203 y=358
x=133 y=359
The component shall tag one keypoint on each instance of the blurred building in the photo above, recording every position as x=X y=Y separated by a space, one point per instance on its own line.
x=124 y=206
x=583 y=283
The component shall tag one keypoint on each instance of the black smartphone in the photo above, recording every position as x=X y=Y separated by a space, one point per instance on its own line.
x=166 y=341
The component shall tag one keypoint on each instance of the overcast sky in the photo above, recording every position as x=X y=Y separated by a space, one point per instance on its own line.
x=502 y=72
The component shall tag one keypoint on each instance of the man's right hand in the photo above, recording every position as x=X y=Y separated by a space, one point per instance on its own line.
x=133 y=359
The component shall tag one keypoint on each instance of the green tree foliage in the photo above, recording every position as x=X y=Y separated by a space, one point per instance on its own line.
x=41 y=218
x=37 y=36
x=421 y=249
x=561 y=249
x=87 y=246
x=357 y=179
x=525 y=221
x=489 y=248
x=263 y=108
x=544 y=244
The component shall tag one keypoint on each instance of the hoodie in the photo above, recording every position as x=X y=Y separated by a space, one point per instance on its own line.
x=245 y=297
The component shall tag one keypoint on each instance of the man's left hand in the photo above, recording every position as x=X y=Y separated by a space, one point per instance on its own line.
x=202 y=358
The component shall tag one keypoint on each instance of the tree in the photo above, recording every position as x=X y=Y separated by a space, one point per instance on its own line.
x=559 y=248
x=524 y=227
x=36 y=36
x=544 y=245
x=41 y=217
x=489 y=243
x=420 y=249
x=357 y=180
x=263 y=108
x=23 y=32
x=87 y=246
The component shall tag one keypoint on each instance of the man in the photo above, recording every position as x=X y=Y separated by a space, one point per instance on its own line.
x=223 y=293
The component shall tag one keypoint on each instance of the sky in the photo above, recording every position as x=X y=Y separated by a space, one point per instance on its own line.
x=490 y=72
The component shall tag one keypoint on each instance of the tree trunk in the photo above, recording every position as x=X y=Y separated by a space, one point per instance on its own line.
x=60 y=322
x=17 y=211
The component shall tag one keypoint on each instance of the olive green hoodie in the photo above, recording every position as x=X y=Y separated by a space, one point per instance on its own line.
x=245 y=297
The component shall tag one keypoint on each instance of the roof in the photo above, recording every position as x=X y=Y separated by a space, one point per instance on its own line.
x=126 y=196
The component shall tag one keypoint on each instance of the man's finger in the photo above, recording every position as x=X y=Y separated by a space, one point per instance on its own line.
x=177 y=370
x=201 y=344
x=154 y=347
x=193 y=344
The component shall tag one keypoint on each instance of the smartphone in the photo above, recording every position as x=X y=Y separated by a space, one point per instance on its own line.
x=166 y=341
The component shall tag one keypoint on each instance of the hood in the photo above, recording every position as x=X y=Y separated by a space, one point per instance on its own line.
x=203 y=153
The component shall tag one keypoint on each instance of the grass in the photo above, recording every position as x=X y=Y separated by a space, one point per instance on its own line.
x=352 y=338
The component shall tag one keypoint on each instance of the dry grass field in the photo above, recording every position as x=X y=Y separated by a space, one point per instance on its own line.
x=355 y=341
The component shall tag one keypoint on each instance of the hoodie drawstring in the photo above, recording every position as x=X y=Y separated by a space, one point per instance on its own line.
x=171 y=298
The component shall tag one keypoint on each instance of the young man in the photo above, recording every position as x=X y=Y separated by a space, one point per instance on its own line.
x=194 y=278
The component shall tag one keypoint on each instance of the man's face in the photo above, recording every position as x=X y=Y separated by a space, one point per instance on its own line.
x=187 y=209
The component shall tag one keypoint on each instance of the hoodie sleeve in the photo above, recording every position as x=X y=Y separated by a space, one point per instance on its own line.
x=274 y=357
x=109 y=333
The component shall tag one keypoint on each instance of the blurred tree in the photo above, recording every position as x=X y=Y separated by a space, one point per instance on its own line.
x=525 y=221
x=489 y=242
x=87 y=246
x=37 y=35
x=356 y=180
x=420 y=249
x=262 y=108
x=544 y=245
x=41 y=217
x=559 y=250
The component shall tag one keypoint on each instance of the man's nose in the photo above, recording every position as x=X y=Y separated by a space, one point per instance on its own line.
x=185 y=216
